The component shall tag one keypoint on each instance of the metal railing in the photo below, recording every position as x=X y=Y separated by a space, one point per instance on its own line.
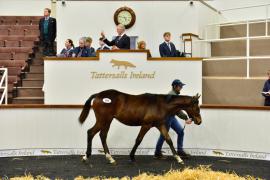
x=215 y=28
x=4 y=85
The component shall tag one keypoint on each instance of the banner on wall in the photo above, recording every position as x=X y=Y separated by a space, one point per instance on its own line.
x=140 y=151
x=72 y=81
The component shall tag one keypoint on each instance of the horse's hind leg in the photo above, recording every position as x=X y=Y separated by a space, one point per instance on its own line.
x=90 y=134
x=103 y=136
x=143 y=131
x=163 y=130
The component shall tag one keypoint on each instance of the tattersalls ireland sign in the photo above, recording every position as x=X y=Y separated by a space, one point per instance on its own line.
x=124 y=72
x=73 y=80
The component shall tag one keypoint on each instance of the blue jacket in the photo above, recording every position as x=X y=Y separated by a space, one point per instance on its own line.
x=266 y=88
x=92 y=51
x=85 y=52
x=164 y=50
x=66 y=52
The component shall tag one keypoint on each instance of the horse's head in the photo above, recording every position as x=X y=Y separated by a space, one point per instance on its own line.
x=193 y=110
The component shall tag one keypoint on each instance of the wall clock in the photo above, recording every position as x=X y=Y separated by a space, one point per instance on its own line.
x=125 y=16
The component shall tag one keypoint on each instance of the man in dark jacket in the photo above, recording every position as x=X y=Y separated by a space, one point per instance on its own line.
x=47 y=28
x=167 y=48
x=81 y=50
x=122 y=41
x=102 y=45
x=266 y=90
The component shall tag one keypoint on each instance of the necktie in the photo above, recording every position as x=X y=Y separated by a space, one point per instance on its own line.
x=169 y=45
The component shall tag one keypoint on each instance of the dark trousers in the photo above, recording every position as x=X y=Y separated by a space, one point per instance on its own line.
x=48 y=47
x=173 y=123
x=267 y=102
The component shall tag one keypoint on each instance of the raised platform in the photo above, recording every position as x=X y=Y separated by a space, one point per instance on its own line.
x=43 y=130
x=73 y=80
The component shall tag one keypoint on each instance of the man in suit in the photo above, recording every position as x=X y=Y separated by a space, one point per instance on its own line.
x=81 y=50
x=122 y=41
x=47 y=28
x=167 y=48
x=102 y=45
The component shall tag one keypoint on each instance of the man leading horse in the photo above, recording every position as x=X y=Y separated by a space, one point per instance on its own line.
x=172 y=122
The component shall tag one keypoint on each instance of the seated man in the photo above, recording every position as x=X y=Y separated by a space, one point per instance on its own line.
x=167 y=48
x=81 y=50
x=122 y=41
x=88 y=43
x=102 y=45
x=266 y=90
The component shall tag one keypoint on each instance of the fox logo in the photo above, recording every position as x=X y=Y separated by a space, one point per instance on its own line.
x=46 y=152
x=125 y=64
x=218 y=153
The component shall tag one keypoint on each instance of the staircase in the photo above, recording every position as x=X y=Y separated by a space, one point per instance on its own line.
x=21 y=55
x=225 y=76
x=31 y=90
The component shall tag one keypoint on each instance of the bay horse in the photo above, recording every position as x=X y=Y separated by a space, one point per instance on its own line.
x=145 y=110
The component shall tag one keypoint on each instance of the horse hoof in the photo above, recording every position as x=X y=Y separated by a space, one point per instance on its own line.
x=132 y=158
x=181 y=163
x=109 y=157
x=179 y=160
x=113 y=163
x=84 y=159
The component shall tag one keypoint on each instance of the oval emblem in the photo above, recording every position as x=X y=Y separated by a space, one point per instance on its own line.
x=107 y=100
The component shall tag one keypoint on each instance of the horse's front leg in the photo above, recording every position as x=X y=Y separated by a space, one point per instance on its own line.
x=143 y=131
x=163 y=130
x=90 y=134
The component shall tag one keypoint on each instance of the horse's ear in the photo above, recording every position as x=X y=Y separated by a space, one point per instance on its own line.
x=197 y=96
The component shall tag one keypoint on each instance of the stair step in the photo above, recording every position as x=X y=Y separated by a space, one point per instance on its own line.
x=32 y=82
x=30 y=91
x=37 y=62
x=35 y=75
x=36 y=69
x=224 y=67
x=232 y=31
x=228 y=48
x=259 y=67
x=28 y=100
x=233 y=90
x=258 y=47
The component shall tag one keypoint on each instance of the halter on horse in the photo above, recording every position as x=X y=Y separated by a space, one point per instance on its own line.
x=145 y=110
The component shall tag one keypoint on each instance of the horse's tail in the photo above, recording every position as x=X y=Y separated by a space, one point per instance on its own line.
x=86 y=109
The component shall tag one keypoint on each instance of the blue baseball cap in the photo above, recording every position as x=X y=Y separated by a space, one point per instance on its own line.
x=177 y=82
